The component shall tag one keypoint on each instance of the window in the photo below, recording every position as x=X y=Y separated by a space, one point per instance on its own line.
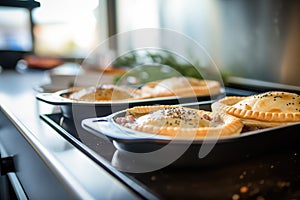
x=15 y=31
x=68 y=28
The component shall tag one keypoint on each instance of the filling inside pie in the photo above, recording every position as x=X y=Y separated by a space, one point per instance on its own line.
x=181 y=86
x=173 y=120
x=103 y=93
x=265 y=110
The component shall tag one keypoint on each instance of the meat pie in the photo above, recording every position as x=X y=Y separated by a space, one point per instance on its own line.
x=181 y=122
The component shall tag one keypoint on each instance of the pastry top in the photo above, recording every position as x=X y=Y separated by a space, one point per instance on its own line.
x=176 y=86
x=181 y=86
x=103 y=93
x=274 y=106
x=174 y=117
x=171 y=120
x=275 y=102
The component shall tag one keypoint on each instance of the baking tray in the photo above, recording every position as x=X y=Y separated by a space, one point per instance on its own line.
x=81 y=109
x=216 y=151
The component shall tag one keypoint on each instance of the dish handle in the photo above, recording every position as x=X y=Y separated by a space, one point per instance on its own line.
x=92 y=123
x=52 y=98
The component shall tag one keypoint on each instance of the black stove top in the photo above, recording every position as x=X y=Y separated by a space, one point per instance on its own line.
x=275 y=175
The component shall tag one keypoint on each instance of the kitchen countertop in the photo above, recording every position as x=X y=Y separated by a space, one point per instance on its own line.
x=47 y=165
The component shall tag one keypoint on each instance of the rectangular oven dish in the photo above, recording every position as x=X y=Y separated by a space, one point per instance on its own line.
x=197 y=152
x=80 y=109
x=105 y=99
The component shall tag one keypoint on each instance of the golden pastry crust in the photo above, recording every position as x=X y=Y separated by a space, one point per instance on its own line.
x=142 y=110
x=181 y=86
x=180 y=122
x=265 y=110
x=104 y=93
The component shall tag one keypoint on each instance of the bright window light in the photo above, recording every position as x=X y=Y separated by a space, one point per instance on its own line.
x=66 y=27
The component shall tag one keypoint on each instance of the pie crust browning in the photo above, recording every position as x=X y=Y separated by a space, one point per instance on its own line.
x=208 y=124
x=142 y=110
x=103 y=93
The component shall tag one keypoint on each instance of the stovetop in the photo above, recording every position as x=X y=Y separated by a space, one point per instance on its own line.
x=275 y=175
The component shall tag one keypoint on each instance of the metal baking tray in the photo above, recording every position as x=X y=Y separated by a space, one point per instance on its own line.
x=196 y=152
x=80 y=109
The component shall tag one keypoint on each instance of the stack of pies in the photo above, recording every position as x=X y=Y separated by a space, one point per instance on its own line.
x=181 y=86
x=263 y=110
x=230 y=116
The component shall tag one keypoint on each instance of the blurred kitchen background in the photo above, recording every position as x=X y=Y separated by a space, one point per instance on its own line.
x=256 y=39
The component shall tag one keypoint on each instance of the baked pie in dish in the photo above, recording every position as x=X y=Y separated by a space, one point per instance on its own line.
x=263 y=110
x=103 y=93
x=180 y=122
x=181 y=86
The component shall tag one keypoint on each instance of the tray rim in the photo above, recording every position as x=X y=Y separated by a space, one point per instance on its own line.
x=56 y=98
